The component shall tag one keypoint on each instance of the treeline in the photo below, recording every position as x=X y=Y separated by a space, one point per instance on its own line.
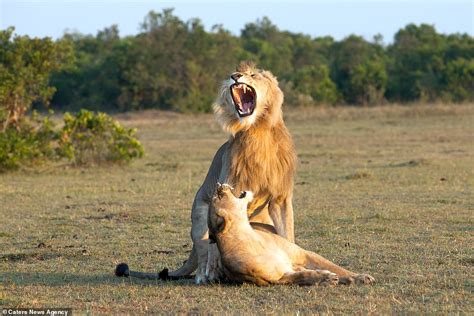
x=178 y=65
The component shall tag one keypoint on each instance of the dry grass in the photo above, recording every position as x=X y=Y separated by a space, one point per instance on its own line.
x=386 y=190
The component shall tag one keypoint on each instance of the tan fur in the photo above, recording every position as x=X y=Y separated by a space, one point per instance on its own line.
x=264 y=258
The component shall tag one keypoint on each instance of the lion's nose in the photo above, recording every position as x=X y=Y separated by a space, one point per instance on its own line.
x=236 y=76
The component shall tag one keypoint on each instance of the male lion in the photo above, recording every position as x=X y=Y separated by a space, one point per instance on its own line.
x=259 y=156
x=264 y=258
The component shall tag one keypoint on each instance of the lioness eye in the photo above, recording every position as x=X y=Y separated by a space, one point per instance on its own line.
x=242 y=194
x=252 y=75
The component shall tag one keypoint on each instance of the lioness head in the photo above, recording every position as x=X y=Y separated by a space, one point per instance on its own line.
x=227 y=207
x=248 y=96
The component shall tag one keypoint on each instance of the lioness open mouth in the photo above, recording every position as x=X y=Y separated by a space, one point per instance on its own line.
x=244 y=98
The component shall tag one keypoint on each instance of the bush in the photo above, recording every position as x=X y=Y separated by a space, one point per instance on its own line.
x=32 y=145
x=294 y=97
x=85 y=139
x=89 y=138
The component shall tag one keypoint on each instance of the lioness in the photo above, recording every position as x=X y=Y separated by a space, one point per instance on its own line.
x=261 y=257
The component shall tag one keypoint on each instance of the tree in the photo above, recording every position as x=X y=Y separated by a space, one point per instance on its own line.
x=269 y=47
x=359 y=70
x=315 y=81
x=25 y=68
x=368 y=81
x=459 y=80
x=417 y=64
x=97 y=78
x=178 y=65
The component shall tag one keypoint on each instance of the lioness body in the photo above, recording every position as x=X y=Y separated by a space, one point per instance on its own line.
x=261 y=257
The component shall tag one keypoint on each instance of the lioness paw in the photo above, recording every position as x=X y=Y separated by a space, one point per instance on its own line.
x=328 y=278
x=346 y=280
x=364 y=279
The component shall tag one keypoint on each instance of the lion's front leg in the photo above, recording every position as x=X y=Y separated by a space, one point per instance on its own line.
x=200 y=236
x=202 y=248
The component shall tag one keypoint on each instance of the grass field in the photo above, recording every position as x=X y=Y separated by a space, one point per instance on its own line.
x=386 y=190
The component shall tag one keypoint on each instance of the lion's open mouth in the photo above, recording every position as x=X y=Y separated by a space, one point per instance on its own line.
x=244 y=98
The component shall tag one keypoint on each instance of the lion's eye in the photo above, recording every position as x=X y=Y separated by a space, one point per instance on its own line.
x=242 y=194
x=253 y=75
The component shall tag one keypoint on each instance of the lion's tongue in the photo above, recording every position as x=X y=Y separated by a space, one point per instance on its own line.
x=246 y=106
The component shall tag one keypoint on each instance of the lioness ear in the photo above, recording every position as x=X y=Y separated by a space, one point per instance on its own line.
x=223 y=221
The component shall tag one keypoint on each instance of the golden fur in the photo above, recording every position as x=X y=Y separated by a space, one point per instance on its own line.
x=264 y=258
x=262 y=157
x=263 y=160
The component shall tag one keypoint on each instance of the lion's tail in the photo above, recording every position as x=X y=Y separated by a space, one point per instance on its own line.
x=189 y=266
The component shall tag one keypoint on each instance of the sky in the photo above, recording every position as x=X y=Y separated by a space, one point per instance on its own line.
x=337 y=18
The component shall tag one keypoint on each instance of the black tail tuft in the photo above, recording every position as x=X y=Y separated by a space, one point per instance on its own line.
x=122 y=270
x=163 y=275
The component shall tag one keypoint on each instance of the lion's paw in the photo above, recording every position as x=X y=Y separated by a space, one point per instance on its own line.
x=214 y=276
x=201 y=277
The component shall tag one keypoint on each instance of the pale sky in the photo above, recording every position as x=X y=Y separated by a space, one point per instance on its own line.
x=317 y=18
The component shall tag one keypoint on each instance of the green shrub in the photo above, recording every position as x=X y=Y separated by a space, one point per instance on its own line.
x=84 y=139
x=89 y=138
x=31 y=145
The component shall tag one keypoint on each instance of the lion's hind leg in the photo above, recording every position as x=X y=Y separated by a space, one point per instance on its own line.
x=309 y=277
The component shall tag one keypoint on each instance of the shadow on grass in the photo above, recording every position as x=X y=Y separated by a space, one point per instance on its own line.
x=61 y=279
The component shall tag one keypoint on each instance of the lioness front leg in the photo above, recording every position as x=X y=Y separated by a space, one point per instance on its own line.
x=309 y=277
